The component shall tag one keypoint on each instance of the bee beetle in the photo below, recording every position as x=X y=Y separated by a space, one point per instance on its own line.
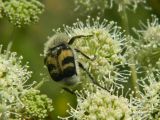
x=60 y=59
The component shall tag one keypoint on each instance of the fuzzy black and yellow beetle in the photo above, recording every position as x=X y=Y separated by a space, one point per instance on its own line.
x=61 y=60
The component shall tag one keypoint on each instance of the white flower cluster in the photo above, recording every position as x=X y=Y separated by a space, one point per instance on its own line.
x=127 y=4
x=91 y=5
x=13 y=78
x=100 y=105
x=148 y=46
x=147 y=107
x=22 y=12
x=106 y=45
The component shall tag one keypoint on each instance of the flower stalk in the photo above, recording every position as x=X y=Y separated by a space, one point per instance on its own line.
x=125 y=25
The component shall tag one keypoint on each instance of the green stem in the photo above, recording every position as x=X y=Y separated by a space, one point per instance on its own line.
x=134 y=79
x=37 y=86
x=125 y=24
x=3 y=111
x=124 y=20
x=12 y=38
x=10 y=44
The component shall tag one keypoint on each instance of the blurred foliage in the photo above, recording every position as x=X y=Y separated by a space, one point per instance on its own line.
x=29 y=41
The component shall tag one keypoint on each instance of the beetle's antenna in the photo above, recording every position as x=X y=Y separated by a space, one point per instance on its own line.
x=71 y=41
x=86 y=56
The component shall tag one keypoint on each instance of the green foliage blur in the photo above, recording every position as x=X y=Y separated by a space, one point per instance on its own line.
x=29 y=41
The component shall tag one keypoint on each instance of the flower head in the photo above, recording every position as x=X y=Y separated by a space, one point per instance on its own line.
x=23 y=12
x=91 y=5
x=148 y=46
x=100 y=105
x=106 y=45
x=148 y=106
x=127 y=4
x=13 y=78
x=36 y=106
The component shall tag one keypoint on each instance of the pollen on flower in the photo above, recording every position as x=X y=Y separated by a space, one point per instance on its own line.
x=23 y=12
x=106 y=45
x=100 y=105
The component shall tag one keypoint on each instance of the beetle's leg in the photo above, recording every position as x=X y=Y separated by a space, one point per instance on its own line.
x=90 y=76
x=68 y=90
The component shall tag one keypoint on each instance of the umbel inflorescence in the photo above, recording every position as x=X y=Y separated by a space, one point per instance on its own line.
x=146 y=107
x=106 y=43
x=17 y=99
x=100 y=105
x=21 y=12
x=101 y=6
x=148 y=56
x=148 y=43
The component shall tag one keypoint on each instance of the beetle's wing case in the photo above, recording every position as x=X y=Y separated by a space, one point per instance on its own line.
x=76 y=65
x=55 y=41
x=74 y=78
x=52 y=65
